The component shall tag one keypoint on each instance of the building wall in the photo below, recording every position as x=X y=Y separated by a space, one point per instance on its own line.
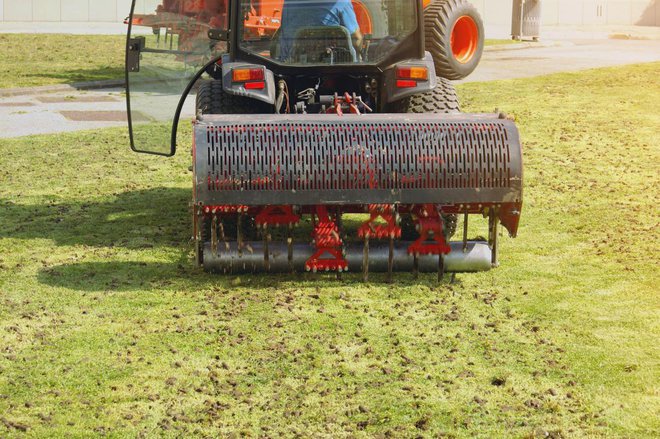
x=72 y=10
x=495 y=12
x=578 y=12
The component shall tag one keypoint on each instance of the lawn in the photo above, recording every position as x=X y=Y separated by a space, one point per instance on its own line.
x=107 y=329
x=30 y=60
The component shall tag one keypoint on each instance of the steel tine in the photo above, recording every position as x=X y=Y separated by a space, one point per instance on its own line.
x=415 y=266
x=390 y=262
x=494 y=240
x=441 y=267
x=266 y=250
x=214 y=234
x=465 y=232
x=365 y=260
x=239 y=233
x=289 y=241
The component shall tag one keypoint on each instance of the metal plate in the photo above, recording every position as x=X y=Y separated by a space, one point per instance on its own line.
x=383 y=158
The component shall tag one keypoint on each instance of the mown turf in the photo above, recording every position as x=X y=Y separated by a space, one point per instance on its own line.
x=105 y=327
x=29 y=60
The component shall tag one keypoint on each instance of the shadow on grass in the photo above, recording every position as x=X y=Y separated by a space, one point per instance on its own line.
x=73 y=77
x=141 y=219
x=148 y=220
x=136 y=275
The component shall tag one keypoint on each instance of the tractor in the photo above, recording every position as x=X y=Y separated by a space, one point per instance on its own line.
x=328 y=135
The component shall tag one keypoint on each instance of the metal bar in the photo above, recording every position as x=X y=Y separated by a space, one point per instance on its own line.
x=390 y=262
x=289 y=243
x=477 y=258
x=266 y=250
x=465 y=231
x=416 y=266
x=365 y=260
x=494 y=240
x=441 y=267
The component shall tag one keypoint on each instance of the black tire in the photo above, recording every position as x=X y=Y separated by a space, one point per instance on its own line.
x=440 y=20
x=442 y=99
x=212 y=99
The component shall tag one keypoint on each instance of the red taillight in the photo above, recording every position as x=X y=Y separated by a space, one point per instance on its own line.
x=255 y=85
x=245 y=75
x=401 y=83
x=417 y=73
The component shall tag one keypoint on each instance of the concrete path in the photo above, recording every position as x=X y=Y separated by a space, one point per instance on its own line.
x=563 y=56
x=30 y=111
x=67 y=110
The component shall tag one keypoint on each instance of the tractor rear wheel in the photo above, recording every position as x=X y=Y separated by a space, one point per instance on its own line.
x=212 y=99
x=442 y=99
x=454 y=34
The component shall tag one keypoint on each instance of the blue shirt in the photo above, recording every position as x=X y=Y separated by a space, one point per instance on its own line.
x=297 y=14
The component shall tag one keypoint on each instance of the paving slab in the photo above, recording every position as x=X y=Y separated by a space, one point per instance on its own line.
x=23 y=115
x=95 y=116
x=69 y=99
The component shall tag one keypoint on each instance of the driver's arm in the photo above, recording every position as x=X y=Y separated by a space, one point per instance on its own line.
x=349 y=21
x=358 y=39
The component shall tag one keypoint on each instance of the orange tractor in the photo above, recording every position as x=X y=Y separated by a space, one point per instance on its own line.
x=327 y=136
x=454 y=32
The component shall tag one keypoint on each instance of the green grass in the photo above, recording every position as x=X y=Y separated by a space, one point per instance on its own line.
x=106 y=328
x=30 y=60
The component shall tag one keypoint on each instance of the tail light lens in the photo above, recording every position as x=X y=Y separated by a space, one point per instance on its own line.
x=402 y=83
x=415 y=73
x=259 y=85
x=247 y=75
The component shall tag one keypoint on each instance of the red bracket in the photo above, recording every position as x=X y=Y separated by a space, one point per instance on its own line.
x=277 y=216
x=380 y=231
x=341 y=104
x=431 y=233
x=328 y=255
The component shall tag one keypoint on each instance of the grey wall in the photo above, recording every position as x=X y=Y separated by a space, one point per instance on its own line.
x=495 y=12
x=71 y=10
x=578 y=12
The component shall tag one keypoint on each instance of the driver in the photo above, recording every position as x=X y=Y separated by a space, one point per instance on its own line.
x=297 y=14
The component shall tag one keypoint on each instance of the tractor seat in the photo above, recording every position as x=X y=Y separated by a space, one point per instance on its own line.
x=323 y=45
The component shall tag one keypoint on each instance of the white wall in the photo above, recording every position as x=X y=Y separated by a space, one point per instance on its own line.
x=72 y=10
x=586 y=12
x=495 y=12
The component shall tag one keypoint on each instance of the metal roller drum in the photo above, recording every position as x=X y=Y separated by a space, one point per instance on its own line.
x=371 y=159
x=477 y=257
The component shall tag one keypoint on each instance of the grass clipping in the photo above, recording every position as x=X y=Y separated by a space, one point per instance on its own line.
x=108 y=329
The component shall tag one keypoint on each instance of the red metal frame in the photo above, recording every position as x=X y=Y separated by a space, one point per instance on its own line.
x=431 y=232
x=277 y=216
x=328 y=242
x=370 y=229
